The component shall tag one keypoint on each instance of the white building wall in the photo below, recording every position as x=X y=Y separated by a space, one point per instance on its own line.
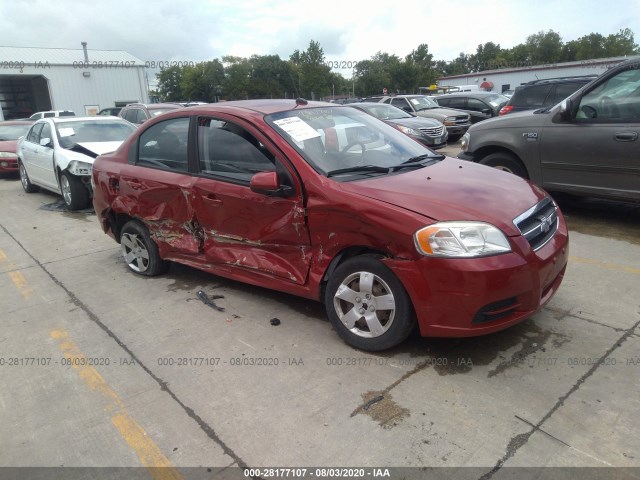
x=71 y=90
x=516 y=77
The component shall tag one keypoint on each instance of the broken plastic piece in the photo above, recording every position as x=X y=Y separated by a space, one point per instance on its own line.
x=275 y=321
x=209 y=300
x=373 y=401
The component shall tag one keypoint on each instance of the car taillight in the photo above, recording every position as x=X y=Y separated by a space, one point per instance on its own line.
x=506 y=109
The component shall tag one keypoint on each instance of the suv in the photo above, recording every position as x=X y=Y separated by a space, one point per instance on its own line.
x=138 y=113
x=52 y=113
x=479 y=105
x=544 y=93
x=586 y=145
x=457 y=122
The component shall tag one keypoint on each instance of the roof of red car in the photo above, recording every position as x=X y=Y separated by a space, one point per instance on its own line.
x=265 y=107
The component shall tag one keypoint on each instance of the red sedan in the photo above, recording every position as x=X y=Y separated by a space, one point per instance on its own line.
x=332 y=204
x=10 y=132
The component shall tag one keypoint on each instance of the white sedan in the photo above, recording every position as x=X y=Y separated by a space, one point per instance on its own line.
x=58 y=153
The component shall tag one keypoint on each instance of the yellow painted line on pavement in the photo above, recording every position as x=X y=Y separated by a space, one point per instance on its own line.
x=17 y=277
x=159 y=466
x=607 y=265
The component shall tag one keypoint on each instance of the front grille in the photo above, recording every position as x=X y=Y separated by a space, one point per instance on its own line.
x=539 y=224
x=461 y=120
x=433 y=131
x=496 y=310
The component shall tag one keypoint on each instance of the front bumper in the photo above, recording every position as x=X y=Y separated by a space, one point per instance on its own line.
x=469 y=297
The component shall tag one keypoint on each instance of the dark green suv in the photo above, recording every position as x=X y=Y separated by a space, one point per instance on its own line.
x=587 y=145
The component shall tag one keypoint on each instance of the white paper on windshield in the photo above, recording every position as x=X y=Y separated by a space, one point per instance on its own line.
x=66 y=131
x=414 y=101
x=297 y=128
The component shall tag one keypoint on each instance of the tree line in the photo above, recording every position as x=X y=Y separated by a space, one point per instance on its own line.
x=308 y=74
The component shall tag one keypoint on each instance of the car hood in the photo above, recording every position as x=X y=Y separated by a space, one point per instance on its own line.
x=8 y=146
x=527 y=118
x=416 y=122
x=455 y=190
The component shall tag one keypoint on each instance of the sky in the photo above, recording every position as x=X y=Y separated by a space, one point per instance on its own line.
x=348 y=31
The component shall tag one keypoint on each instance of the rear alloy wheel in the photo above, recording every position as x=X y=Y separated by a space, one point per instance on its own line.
x=74 y=193
x=367 y=305
x=140 y=252
x=24 y=180
x=505 y=162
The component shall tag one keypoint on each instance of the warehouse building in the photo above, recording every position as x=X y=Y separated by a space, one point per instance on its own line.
x=82 y=80
x=503 y=79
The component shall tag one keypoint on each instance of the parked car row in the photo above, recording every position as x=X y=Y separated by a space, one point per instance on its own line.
x=349 y=204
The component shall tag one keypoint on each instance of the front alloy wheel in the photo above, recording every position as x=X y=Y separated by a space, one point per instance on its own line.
x=367 y=304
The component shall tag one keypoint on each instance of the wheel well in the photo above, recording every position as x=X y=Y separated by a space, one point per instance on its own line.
x=343 y=256
x=116 y=222
x=483 y=152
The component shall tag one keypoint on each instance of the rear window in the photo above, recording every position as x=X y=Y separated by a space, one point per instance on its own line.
x=67 y=114
x=530 y=96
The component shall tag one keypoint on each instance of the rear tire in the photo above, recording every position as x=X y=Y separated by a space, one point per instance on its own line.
x=506 y=162
x=140 y=252
x=74 y=193
x=24 y=179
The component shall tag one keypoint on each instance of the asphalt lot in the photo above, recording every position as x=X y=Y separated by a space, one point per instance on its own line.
x=103 y=368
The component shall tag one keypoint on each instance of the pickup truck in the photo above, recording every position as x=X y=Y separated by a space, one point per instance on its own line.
x=586 y=145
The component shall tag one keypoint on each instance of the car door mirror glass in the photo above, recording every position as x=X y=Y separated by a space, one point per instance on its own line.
x=267 y=183
x=45 y=142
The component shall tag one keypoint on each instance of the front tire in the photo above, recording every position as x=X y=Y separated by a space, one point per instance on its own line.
x=506 y=162
x=24 y=180
x=140 y=252
x=74 y=193
x=367 y=305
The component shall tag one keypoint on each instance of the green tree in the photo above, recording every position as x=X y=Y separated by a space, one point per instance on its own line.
x=170 y=83
x=544 y=47
x=200 y=82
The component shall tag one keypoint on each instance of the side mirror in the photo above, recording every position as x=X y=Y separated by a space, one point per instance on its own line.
x=487 y=111
x=267 y=183
x=566 y=108
x=45 y=142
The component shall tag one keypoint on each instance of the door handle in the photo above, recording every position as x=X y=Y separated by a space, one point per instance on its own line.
x=626 y=136
x=213 y=200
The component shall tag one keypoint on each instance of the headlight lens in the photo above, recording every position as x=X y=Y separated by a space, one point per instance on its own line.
x=449 y=121
x=408 y=131
x=461 y=240
x=7 y=155
x=464 y=143
x=80 y=168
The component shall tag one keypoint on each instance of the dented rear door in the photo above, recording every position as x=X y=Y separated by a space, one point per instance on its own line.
x=244 y=230
x=157 y=189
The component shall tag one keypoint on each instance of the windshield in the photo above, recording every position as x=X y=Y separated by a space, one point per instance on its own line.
x=343 y=142
x=86 y=131
x=385 y=112
x=13 y=132
x=422 y=103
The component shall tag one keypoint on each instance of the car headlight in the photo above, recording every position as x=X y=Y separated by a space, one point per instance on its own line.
x=80 y=168
x=449 y=121
x=408 y=131
x=8 y=155
x=464 y=143
x=461 y=240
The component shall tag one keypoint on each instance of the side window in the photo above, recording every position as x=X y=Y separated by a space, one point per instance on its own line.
x=45 y=133
x=164 y=145
x=400 y=103
x=564 y=90
x=458 y=102
x=34 y=133
x=49 y=114
x=444 y=102
x=476 y=105
x=228 y=150
x=615 y=99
